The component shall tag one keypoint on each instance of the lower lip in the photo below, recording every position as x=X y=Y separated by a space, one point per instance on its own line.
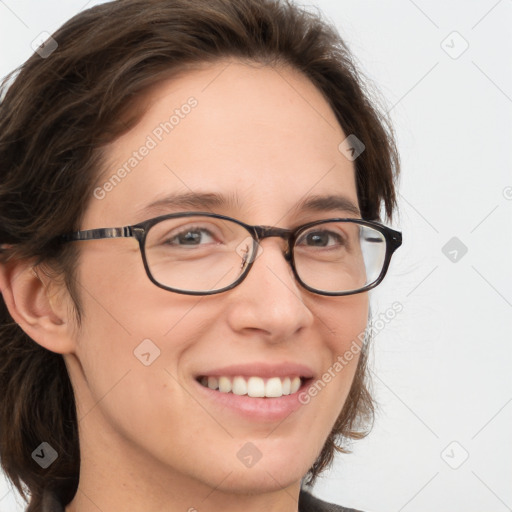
x=261 y=409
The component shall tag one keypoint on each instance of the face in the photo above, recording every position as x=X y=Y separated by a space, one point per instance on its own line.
x=267 y=137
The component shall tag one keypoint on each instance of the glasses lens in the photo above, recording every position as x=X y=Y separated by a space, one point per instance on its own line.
x=339 y=256
x=197 y=253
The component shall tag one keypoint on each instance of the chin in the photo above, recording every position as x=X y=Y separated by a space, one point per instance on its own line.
x=271 y=469
x=263 y=480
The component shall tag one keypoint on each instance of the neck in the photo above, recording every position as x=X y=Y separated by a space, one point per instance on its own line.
x=118 y=477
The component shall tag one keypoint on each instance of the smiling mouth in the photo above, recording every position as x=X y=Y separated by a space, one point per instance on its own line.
x=256 y=387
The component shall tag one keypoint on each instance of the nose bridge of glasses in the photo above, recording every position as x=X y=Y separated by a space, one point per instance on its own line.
x=263 y=232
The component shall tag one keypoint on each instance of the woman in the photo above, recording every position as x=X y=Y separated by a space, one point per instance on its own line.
x=185 y=266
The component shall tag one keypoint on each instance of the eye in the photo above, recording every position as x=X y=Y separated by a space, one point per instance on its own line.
x=321 y=238
x=192 y=236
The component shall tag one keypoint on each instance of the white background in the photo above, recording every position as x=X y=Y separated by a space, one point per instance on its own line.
x=442 y=366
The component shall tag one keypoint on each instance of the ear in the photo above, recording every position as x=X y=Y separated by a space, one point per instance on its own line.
x=39 y=304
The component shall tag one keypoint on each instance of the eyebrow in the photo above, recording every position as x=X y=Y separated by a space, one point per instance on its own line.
x=211 y=200
x=327 y=203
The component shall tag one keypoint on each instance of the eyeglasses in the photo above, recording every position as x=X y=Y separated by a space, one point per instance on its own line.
x=197 y=253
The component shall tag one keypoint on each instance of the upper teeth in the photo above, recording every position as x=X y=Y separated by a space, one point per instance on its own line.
x=254 y=386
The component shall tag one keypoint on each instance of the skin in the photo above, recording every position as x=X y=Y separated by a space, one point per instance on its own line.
x=148 y=440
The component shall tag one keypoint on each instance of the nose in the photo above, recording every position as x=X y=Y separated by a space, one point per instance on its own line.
x=270 y=300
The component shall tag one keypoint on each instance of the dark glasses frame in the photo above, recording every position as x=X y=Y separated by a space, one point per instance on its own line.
x=258 y=233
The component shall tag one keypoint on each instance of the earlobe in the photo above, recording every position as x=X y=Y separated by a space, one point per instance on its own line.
x=37 y=305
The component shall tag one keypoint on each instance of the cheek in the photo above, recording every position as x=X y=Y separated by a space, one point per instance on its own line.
x=132 y=332
x=129 y=380
x=343 y=321
x=122 y=303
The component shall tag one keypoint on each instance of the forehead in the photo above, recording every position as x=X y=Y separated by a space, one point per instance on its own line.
x=263 y=136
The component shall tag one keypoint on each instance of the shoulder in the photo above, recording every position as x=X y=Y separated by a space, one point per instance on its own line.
x=308 y=503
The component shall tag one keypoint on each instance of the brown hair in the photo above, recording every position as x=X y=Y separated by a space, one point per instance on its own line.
x=56 y=114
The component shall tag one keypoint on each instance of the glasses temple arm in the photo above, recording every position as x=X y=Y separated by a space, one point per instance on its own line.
x=96 y=234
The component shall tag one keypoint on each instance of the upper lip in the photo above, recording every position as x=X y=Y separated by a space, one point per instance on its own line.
x=265 y=370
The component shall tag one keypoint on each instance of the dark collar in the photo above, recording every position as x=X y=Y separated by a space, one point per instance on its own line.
x=308 y=503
